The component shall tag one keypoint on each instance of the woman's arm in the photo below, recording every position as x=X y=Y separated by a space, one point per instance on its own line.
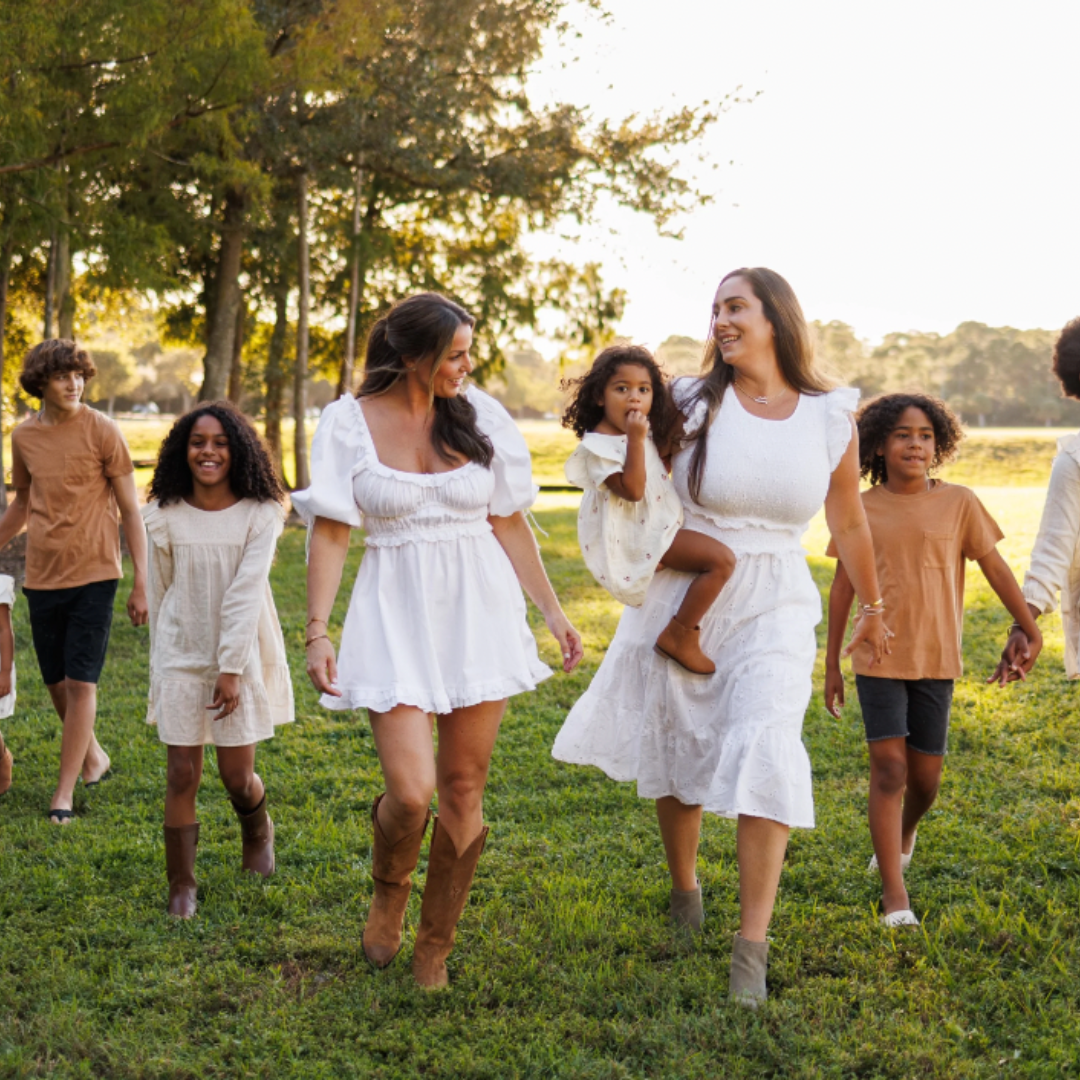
x=847 y=522
x=517 y=540
x=841 y=597
x=326 y=561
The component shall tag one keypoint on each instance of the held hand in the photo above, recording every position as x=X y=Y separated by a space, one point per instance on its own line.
x=834 y=691
x=226 y=695
x=871 y=631
x=569 y=641
x=1017 y=658
x=322 y=667
x=137 y=608
x=637 y=426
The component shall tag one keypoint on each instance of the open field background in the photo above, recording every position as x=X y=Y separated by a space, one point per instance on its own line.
x=565 y=965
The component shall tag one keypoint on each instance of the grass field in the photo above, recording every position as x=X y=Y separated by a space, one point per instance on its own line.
x=565 y=966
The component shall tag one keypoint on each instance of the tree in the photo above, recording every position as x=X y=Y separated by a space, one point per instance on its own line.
x=115 y=376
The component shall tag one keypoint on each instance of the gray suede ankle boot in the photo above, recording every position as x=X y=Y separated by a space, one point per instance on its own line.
x=686 y=909
x=749 y=962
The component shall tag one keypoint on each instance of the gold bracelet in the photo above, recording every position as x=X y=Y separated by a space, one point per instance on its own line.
x=314 y=618
x=318 y=637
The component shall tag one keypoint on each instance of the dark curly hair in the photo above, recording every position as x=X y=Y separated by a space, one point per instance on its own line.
x=877 y=419
x=1067 y=359
x=251 y=472
x=586 y=407
x=53 y=357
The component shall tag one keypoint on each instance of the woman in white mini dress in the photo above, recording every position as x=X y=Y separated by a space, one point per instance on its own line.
x=440 y=478
x=766 y=443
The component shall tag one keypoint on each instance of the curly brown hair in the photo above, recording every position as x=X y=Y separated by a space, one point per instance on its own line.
x=251 y=472
x=53 y=357
x=877 y=419
x=1067 y=359
x=586 y=407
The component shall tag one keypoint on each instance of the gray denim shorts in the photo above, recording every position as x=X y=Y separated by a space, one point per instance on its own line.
x=912 y=709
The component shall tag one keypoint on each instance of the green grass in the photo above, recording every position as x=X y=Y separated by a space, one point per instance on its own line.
x=565 y=966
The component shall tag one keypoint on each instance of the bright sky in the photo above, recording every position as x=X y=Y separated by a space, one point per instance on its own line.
x=906 y=166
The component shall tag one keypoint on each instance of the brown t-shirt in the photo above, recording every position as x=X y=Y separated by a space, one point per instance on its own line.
x=920 y=544
x=72 y=534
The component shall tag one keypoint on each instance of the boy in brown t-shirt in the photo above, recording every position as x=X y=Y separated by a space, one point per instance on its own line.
x=72 y=474
x=923 y=530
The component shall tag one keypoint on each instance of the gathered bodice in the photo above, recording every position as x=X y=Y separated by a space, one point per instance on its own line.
x=764 y=479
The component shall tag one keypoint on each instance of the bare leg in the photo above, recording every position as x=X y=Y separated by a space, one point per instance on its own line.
x=79 y=713
x=680 y=829
x=236 y=765
x=96 y=763
x=406 y=749
x=923 y=782
x=888 y=779
x=712 y=561
x=185 y=766
x=761 y=847
x=466 y=742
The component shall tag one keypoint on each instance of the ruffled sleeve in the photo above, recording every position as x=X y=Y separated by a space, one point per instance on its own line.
x=512 y=465
x=839 y=405
x=160 y=562
x=694 y=410
x=338 y=453
x=7 y=590
x=595 y=459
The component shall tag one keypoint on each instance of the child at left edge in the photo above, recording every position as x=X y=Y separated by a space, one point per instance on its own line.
x=923 y=529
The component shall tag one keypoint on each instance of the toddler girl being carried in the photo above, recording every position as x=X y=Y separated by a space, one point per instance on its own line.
x=630 y=521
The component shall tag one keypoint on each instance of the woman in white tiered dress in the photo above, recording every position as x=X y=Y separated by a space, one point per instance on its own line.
x=440 y=479
x=766 y=444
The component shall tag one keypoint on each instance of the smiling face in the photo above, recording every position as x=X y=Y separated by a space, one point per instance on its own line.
x=909 y=447
x=629 y=388
x=64 y=390
x=208 y=452
x=740 y=328
x=449 y=380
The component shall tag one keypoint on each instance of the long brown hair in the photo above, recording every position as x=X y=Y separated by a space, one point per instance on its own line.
x=794 y=355
x=417 y=327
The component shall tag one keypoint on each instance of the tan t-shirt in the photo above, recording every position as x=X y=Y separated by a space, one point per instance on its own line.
x=72 y=532
x=920 y=544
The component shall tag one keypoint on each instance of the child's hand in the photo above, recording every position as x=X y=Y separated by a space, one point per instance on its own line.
x=137 y=608
x=834 y=691
x=871 y=631
x=1017 y=658
x=637 y=426
x=5 y=683
x=226 y=695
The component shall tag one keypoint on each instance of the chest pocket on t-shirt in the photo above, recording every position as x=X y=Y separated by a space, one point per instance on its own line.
x=938 y=550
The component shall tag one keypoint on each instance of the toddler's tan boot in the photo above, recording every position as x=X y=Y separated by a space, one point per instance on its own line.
x=682 y=644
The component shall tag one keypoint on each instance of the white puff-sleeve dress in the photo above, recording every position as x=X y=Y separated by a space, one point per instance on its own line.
x=621 y=541
x=731 y=743
x=437 y=619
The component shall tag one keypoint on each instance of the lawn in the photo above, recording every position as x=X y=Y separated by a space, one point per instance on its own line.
x=565 y=965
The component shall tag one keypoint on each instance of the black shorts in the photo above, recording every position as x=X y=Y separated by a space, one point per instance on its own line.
x=70 y=628
x=912 y=709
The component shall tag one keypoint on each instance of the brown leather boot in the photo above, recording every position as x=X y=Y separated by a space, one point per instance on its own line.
x=391 y=867
x=681 y=644
x=257 y=834
x=180 y=844
x=446 y=891
x=5 y=767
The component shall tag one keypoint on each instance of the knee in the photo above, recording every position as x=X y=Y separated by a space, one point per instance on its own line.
x=462 y=790
x=889 y=775
x=410 y=805
x=924 y=788
x=181 y=774
x=238 y=781
x=725 y=561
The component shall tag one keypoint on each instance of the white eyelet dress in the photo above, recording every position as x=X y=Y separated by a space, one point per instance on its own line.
x=731 y=742
x=437 y=618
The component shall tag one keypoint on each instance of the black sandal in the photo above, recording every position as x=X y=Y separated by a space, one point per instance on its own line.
x=106 y=775
x=58 y=817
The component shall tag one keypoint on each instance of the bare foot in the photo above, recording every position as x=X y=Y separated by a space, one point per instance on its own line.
x=93 y=771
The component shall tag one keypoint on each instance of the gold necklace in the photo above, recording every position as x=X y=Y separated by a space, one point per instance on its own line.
x=760 y=400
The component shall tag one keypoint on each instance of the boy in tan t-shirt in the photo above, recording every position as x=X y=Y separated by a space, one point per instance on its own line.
x=72 y=475
x=923 y=530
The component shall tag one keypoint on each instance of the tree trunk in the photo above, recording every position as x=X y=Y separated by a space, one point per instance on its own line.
x=65 y=293
x=236 y=374
x=277 y=374
x=222 y=327
x=300 y=448
x=5 y=278
x=50 y=286
x=348 y=363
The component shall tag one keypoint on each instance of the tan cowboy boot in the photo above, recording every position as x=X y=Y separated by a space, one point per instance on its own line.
x=180 y=844
x=257 y=835
x=391 y=867
x=446 y=891
x=5 y=766
x=681 y=644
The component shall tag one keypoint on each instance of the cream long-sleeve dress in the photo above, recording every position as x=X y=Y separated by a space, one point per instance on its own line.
x=212 y=612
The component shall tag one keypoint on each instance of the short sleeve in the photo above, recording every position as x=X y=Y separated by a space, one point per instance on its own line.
x=338 y=453
x=512 y=464
x=694 y=409
x=595 y=459
x=20 y=474
x=7 y=590
x=839 y=406
x=115 y=457
x=981 y=531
